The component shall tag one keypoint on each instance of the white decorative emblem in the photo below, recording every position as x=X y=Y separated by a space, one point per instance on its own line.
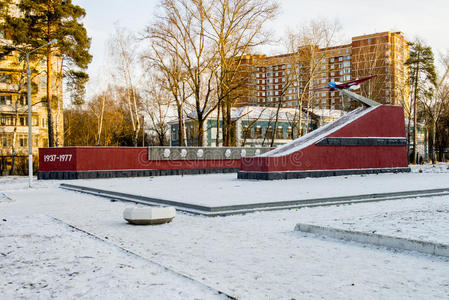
x=200 y=153
x=243 y=153
x=183 y=153
x=166 y=153
x=228 y=153
x=257 y=152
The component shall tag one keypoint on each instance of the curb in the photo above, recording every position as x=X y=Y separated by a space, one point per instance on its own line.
x=376 y=239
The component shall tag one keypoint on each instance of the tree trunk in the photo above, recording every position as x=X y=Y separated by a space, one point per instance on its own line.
x=409 y=134
x=415 y=113
x=307 y=116
x=275 y=124
x=180 y=125
x=51 y=135
x=100 y=125
x=225 y=127
x=200 y=132
x=434 y=140
x=229 y=124
x=13 y=144
x=217 y=137
x=299 y=131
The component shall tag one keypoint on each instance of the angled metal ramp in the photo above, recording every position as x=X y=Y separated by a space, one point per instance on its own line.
x=356 y=97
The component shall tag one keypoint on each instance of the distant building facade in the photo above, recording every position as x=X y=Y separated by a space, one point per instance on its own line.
x=252 y=126
x=14 y=107
x=282 y=78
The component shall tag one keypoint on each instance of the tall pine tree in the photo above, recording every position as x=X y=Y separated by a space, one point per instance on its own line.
x=422 y=80
x=41 y=21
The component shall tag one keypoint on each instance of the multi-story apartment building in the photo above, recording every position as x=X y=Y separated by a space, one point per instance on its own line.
x=289 y=79
x=14 y=109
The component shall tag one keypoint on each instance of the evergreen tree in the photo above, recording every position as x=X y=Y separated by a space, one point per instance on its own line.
x=422 y=80
x=41 y=21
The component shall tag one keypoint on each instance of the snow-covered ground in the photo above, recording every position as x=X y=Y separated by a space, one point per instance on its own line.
x=226 y=189
x=425 y=219
x=42 y=258
x=252 y=256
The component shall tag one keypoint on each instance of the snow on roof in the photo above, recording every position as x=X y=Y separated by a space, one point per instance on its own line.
x=334 y=113
x=263 y=113
x=252 y=112
x=266 y=113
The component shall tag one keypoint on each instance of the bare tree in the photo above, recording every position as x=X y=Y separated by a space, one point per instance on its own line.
x=435 y=105
x=164 y=59
x=307 y=61
x=157 y=104
x=124 y=54
x=183 y=29
x=236 y=28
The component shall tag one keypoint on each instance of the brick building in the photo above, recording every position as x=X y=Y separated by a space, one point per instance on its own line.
x=290 y=77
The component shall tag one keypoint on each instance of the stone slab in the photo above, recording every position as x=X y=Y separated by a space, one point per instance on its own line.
x=317 y=173
x=376 y=239
x=64 y=175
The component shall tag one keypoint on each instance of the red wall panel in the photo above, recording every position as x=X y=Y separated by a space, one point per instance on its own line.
x=384 y=121
x=117 y=158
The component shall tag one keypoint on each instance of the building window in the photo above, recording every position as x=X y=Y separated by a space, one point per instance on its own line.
x=5 y=78
x=246 y=132
x=7 y=120
x=23 y=141
x=290 y=133
x=280 y=132
x=269 y=133
x=21 y=100
x=174 y=135
x=23 y=121
x=258 y=132
x=5 y=99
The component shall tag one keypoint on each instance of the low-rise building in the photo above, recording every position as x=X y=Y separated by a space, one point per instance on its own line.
x=252 y=126
x=14 y=108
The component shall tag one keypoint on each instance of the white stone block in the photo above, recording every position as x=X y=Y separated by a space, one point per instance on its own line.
x=149 y=215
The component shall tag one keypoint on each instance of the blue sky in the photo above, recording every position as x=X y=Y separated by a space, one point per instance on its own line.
x=426 y=19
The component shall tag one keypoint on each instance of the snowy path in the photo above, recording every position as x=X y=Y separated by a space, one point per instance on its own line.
x=253 y=256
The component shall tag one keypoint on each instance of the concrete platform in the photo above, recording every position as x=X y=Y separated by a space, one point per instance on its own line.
x=212 y=211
